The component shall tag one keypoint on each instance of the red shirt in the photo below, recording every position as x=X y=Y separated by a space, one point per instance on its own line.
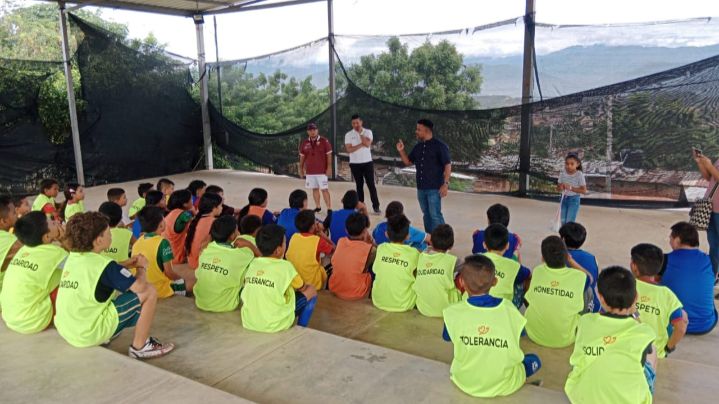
x=315 y=153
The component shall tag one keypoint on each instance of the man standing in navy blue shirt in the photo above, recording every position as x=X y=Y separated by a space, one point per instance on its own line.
x=434 y=167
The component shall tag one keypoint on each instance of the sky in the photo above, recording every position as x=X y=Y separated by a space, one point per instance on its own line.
x=248 y=34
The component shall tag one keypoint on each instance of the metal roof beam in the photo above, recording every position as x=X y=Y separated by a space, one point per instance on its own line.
x=244 y=7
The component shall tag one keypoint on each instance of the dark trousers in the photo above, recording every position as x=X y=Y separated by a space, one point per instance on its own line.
x=364 y=172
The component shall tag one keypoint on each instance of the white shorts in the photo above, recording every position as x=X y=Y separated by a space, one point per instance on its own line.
x=316 y=181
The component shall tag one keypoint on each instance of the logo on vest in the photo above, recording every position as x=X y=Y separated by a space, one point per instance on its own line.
x=483 y=329
x=25 y=254
x=260 y=273
x=645 y=299
x=609 y=340
x=216 y=260
x=396 y=254
x=555 y=284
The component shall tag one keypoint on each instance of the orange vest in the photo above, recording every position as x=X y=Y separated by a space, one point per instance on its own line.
x=202 y=232
x=258 y=211
x=177 y=240
x=302 y=253
x=348 y=280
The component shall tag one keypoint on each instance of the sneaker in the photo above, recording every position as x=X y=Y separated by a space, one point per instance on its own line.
x=377 y=211
x=152 y=349
x=318 y=210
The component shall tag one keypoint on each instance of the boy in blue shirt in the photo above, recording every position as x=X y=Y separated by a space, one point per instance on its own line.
x=497 y=213
x=350 y=204
x=417 y=238
x=689 y=274
x=152 y=198
x=574 y=234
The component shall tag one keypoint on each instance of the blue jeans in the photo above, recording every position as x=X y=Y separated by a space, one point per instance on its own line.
x=570 y=208
x=713 y=238
x=431 y=204
x=304 y=308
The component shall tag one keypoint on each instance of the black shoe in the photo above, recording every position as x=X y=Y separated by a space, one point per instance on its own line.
x=318 y=210
x=377 y=211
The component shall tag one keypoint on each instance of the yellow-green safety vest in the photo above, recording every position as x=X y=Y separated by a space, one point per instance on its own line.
x=73 y=209
x=119 y=249
x=655 y=303
x=220 y=273
x=606 y=361
x=394 y=268
x=506 y=270
x=41 y=201
x=136 y=206
x=487 y=356
x=32 y=274
x=268 y=300
x=80 y=319
x=434 y=284
x=7 y=240
x=556 y=299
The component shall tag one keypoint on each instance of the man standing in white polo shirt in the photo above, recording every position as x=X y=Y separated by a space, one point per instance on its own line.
x=357 y=143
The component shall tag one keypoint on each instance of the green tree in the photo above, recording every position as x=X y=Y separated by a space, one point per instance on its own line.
x=431 y=76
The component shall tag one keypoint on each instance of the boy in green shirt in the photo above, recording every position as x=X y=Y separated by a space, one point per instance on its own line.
x=657 y=305
x=394 y=267
x=436 y=268
x=249 y=226
x=221 y=269
x=45 y=201
x=32 y=277
x=614 y=357
x=512 y=277
x=122 y=238
x=9 y=245
x=557 y=296
x=273 y=293
x=485 y=330
x=139 y=203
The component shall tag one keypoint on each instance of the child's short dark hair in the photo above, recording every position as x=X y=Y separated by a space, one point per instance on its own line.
x=153 y=197
x=17 y=199
x=162 y=182
x=297 y=199
x=214 y=189
x=573 y=234
x=686 y=233
x=393 y=209
x=498 y=213
x=443 y=237
x=83 y=229
x=112 y=211
x=196 y=185
x=397 y=228
x=150 y=218
x=143 y=189
x=30 y=228
x=269 y=238
x=114 y=194
x=304 y=221
x=47 y=183
x=257 y=196
x=222 y=228
x=178 y=199
x=7 y=205
x=618 y=287
x=648 y=258
x=496 y=237
x=350 y=199
x=554 y=252
x=249 y=224
x=356 y=223
x=478 y=274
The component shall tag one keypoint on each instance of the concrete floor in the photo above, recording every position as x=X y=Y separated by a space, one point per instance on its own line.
x=352 y=352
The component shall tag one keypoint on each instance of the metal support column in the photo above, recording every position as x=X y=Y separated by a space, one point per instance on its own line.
x=610 y=142
x=72 y=107
x=204 y=93
x=527 y=90
x=333 y=94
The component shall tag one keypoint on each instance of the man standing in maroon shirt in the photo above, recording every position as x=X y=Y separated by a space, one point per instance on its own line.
x=316 y=165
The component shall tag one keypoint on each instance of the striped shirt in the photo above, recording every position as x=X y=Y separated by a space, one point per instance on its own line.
x=575 y=180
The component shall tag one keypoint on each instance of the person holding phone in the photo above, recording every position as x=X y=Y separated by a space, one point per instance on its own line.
x=710 y=172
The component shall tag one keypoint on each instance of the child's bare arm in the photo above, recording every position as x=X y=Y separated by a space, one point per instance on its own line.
x=242 y=243
x=10 y=255
x=362 y=208
x=680 y=329
x=308 y=290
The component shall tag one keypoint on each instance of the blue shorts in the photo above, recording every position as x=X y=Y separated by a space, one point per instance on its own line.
x=128 y=308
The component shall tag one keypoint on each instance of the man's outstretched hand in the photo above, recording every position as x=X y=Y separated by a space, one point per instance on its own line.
x=400 y=145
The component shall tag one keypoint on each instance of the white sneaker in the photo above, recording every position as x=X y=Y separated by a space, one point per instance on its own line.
x=152 y=349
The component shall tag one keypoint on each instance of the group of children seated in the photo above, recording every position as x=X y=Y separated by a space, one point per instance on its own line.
x=99 y=273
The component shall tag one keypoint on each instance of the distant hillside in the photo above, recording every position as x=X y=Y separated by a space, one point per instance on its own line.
x=563 y=72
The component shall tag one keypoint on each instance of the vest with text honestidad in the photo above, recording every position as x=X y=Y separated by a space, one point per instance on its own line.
x=30 y=277
x=148 y=247
x=302 y=253
x=607 y=361
x=434 y=283
x=506 y=270
x=655 y=304
x=119 y=249
x=219 y=277
x=556 y=299
x=268 y=300
x=394 y=267
x=483 y=336
x=176 y=240
x=7 y=240
x=81 y=320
